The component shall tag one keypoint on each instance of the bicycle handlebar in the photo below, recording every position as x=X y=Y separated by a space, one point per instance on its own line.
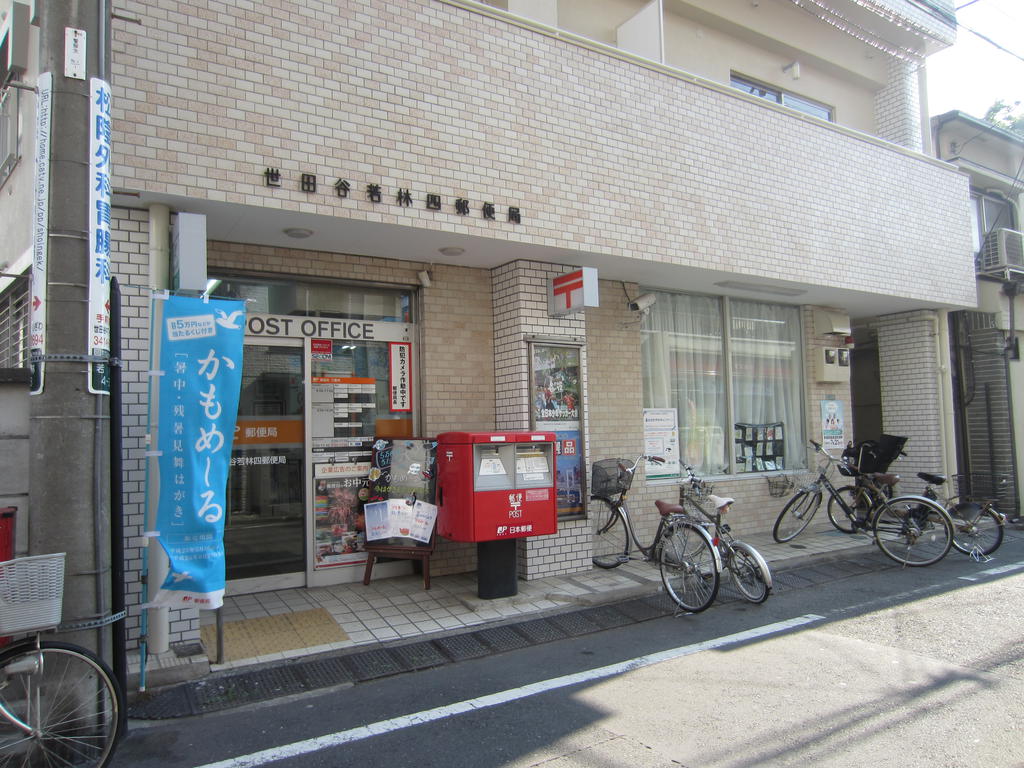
x=641 y=457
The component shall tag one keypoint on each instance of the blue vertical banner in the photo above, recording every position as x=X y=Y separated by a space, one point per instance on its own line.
x=200 y=376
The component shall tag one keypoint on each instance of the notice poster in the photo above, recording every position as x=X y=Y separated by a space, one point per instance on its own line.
x=833 y=428
x=396 y=519
x=403 y=469
x=569 y=472
x=557 y=407
x=661 y=438
x=402 y=482
x=341 y=470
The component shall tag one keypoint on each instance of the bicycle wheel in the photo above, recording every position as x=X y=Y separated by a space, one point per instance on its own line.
x=855 y=500
x=796 y=515
x=977 y=529
x=750 y=572
x=611 y=542
x=689 y=566
x=912 y=530
x=70 y=700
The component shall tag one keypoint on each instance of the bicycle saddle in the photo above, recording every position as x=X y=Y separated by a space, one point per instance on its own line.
x=928 y=477
x=667 y=508
x=720 y=501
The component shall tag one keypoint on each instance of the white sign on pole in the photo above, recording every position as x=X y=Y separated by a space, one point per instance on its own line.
x=74 y=53
x=100 y=173
x=40 y=230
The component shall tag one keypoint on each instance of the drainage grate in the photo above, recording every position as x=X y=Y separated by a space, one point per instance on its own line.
x=372 y=664
x=322 y=673
x=502 y=638
x=258 y=685
x=172 y=702
x=540 y=631
x=574 y=624
x=462 y=647
x=419 y=655
x=644 y=610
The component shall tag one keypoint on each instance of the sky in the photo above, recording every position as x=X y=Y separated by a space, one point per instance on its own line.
x=972 y=74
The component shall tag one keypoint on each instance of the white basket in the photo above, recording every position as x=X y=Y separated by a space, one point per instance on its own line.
x=31 y=592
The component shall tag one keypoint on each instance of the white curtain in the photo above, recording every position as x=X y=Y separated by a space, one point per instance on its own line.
x=683 y=369
x=766 y=378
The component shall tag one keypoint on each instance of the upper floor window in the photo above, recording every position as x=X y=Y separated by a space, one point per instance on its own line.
x=989 y=214
x=786 y=99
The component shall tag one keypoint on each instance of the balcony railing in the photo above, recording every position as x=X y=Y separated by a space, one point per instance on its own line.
x=1002 y=253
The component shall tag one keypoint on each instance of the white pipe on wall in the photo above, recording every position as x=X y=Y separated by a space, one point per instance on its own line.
x=945 y=385
x=159 y=272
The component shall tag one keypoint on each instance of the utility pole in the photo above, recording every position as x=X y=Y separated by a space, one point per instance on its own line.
x=69 y=498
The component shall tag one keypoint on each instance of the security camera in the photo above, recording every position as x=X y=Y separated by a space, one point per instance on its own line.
x=643 y=302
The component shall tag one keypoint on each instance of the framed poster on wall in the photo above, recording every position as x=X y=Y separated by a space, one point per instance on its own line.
x=557 y=406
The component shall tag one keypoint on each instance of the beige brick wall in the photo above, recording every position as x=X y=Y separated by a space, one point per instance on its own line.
x=602 y=155
x=909 y=370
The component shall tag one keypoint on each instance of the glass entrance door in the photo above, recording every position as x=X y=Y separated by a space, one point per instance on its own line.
x=264 y=537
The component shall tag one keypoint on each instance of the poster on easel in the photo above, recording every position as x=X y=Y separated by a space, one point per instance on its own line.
x=402 y=481
x=396 y=520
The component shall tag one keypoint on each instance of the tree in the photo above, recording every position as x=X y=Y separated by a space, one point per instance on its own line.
x=1009 y=117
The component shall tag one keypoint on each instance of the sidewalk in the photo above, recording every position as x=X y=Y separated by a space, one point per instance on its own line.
x=274 y=627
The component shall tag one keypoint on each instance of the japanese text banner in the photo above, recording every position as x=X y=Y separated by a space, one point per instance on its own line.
x=200 y=363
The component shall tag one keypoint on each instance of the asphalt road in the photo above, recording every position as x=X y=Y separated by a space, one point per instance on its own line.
x=908 y=667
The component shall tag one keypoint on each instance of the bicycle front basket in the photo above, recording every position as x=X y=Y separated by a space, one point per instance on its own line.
x=607 y=479
x=31 y=593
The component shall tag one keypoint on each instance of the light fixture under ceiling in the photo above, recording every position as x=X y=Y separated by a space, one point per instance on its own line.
x=777 y=290
x=451 y=250
x=298 y=232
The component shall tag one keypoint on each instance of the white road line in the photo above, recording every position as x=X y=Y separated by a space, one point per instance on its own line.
x=995 y=571
x=502 y=697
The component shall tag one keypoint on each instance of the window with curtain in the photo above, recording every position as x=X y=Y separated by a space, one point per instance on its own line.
x=733 y=371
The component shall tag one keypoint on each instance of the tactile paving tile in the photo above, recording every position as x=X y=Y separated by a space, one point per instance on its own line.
x=372 y=664
x=540 y=631
x=419 y=655
x=502 y=638
x=461 y=647
x=574 y=623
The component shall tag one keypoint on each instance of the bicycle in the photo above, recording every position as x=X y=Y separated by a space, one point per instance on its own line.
x=747 y=568
x=910 y=529
x=60 y=705
x=687 y=558
x=977 y=524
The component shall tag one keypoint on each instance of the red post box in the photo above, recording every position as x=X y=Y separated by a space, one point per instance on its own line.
x=496 y=485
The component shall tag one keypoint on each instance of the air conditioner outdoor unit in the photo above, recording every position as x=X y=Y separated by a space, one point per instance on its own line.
x=1003 y=251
